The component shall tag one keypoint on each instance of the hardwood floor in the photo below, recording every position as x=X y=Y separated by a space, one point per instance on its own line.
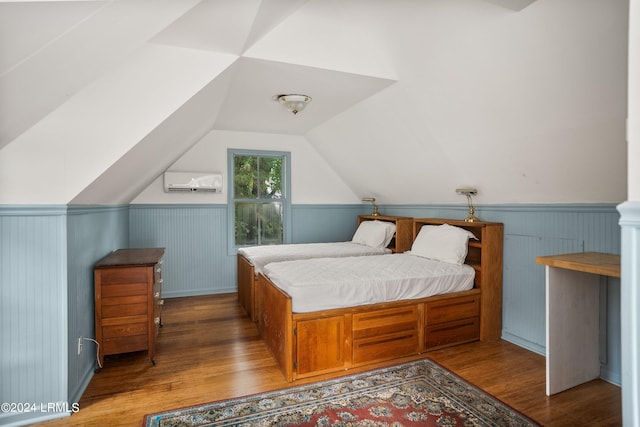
x=209 y=350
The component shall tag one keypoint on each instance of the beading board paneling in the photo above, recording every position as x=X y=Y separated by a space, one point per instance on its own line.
x=196 y=261
x=92 y=232
x=33 y=308
x=325 y=223
x=525 y=296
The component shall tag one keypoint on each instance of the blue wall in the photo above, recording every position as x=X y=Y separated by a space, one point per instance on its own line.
x=47 y=256
x=92 y=232
x=33 y=306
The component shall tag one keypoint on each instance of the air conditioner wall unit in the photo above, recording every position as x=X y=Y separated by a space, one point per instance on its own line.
x=192 y=182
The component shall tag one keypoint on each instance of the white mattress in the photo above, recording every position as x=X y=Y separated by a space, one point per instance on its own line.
x=260 y=256
x=326 y=283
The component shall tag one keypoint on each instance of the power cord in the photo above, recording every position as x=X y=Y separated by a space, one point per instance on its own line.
x=97 y=350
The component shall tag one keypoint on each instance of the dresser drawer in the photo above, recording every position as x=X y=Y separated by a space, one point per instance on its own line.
x=135 y=299
x=125 y=330
x=124 y=310
x=125 y=344
x=118 y=290
x=123 y=275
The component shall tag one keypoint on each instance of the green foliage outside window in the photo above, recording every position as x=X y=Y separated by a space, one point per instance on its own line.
x=258 y=194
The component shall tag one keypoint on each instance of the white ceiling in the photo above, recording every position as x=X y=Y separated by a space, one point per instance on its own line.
x=500 y=94
x=249 y=104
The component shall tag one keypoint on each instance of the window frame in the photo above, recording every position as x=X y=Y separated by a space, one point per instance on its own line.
x=285 y=200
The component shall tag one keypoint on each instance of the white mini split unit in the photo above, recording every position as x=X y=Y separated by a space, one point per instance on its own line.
x=192 y=181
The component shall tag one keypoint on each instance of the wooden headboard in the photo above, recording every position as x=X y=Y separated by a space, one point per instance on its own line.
x=485 y=256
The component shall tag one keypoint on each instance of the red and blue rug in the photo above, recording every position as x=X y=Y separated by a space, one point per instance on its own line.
x=419 y=393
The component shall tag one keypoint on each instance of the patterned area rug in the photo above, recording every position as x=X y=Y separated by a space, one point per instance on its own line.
x=419 y=393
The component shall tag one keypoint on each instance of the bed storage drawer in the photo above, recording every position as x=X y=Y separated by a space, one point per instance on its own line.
x=388 y=346
x=385 y=334
x=446 y=310
x=450 y=321
x=450 y=333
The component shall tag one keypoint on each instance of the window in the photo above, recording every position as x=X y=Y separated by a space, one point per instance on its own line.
x=259 y=192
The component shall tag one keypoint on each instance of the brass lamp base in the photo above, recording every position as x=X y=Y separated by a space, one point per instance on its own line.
x=471 y=217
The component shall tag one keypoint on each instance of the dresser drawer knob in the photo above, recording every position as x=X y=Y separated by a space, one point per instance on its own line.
x=156 y=320
x=156 y=295
x=161 y=302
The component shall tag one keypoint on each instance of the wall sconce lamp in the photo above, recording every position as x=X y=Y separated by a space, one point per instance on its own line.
x=293 y=103
x=372 y=200
x=469 y=192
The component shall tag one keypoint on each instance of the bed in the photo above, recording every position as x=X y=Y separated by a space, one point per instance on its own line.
x=308 y=339
x=366 y=241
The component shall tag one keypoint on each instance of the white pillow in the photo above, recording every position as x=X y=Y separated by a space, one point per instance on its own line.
x=445 y=243
x=377 y=234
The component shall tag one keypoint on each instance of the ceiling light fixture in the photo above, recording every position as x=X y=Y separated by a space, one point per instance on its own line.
x=469 y=192
x=293 y=103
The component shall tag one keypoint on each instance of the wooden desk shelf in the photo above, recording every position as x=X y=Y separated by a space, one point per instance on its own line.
x=572 y=316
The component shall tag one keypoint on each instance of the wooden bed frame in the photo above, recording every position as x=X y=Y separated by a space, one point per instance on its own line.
x=248 y=280
x=308 y=344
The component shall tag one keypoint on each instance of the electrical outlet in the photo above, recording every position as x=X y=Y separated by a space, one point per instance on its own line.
x=79 y=345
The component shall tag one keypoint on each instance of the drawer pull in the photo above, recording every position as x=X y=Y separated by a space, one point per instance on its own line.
x=156 y=320
x=161 y=302
x=160 y=281
x=156 y=295
x=158 y=270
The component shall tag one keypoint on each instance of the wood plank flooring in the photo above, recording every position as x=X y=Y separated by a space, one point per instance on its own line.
x=209 y=350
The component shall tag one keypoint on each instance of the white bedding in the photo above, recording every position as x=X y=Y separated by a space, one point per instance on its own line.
x=326 y=283
x=260 y=256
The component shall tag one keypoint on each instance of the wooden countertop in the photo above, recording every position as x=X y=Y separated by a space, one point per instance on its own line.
x=589 y=262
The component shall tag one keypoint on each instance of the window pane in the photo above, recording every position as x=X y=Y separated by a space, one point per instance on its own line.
x=259 y=197
x=271 y=215
x=246 y=224
x=270 y=173
x=245 y=177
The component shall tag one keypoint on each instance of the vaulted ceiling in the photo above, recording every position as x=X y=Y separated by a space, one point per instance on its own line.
x=411 y=98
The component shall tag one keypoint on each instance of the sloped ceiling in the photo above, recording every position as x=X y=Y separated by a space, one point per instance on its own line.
x=411 y=98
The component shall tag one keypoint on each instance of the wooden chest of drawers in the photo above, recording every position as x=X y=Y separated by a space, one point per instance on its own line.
x=128 y=289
